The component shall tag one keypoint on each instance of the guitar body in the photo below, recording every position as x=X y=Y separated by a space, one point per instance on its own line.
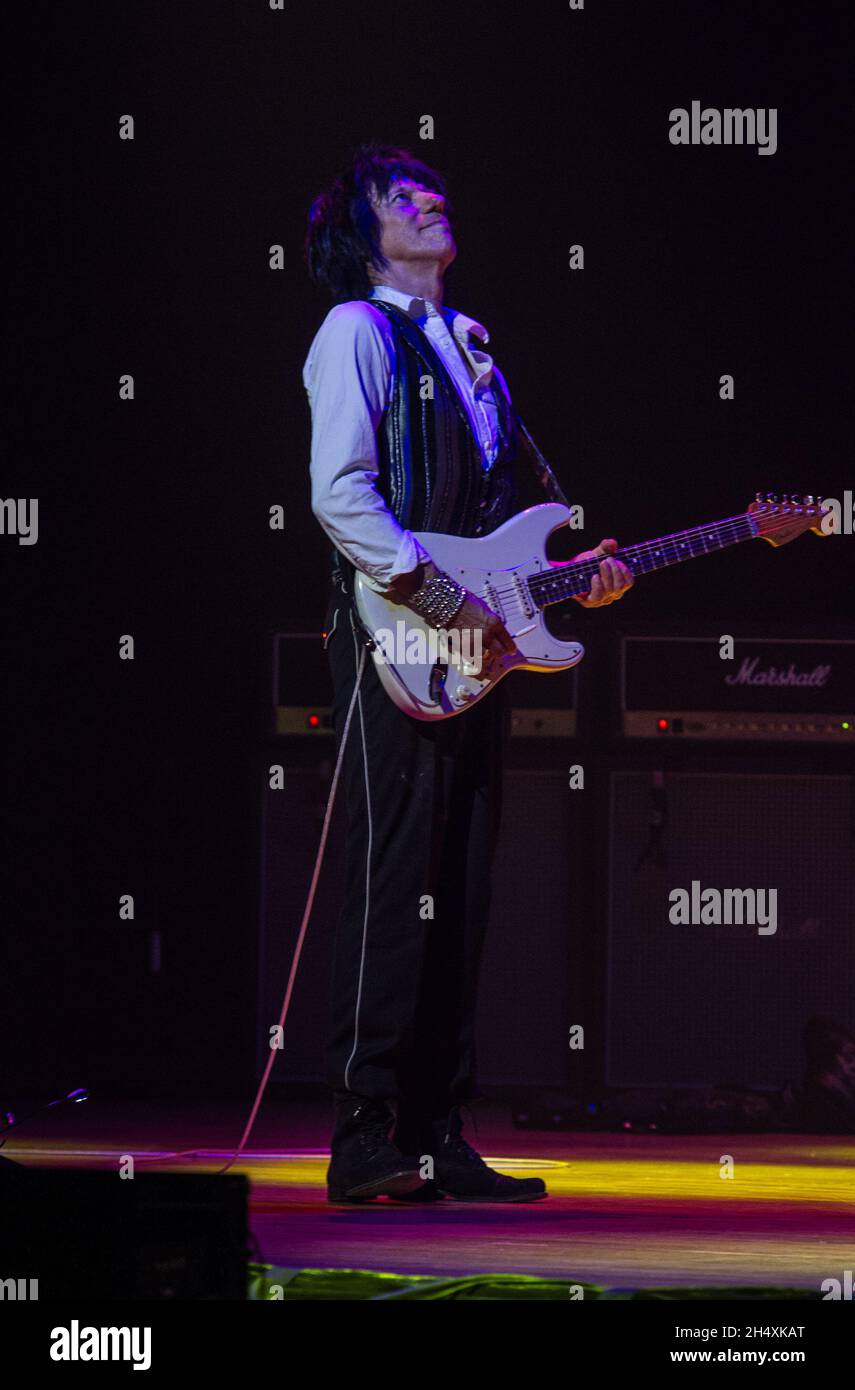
x=433 y=684
x=494 y=567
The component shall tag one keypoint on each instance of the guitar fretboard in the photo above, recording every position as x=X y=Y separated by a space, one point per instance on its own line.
x=568 y=581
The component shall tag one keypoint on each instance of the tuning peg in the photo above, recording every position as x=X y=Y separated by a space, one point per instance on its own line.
x=809 y=500
x=771 y=496
x=795 y=499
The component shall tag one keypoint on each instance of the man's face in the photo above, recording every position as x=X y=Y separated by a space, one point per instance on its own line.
x=413 y=224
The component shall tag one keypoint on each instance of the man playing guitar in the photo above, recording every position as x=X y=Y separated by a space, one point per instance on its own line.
x=412 y=431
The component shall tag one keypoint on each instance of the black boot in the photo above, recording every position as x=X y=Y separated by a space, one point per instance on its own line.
x=364 y=1163
x=462 y=1174
x=414 y=1138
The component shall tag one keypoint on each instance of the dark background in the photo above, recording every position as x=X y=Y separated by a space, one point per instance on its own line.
x=151 y=257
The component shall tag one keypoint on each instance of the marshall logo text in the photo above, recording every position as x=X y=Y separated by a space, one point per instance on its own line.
x=748 y=674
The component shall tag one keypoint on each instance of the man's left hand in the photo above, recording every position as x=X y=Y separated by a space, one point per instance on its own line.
x=613 y=579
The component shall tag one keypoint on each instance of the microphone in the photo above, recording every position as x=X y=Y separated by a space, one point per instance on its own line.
x=79 y=1094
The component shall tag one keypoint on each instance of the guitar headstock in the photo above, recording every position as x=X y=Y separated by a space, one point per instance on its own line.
x=781 y=520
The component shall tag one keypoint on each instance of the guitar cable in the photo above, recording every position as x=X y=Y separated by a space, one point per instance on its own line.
x=292 y=975
x=310 y=900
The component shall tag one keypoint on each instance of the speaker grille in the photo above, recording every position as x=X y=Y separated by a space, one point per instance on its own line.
x=523 y=1003
x=292 y=821
x=523 y=1012
x=720 y=1004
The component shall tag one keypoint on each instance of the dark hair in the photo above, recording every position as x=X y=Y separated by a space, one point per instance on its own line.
x=344 y=231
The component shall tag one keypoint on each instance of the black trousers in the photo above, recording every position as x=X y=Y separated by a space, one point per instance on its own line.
x=423 y=802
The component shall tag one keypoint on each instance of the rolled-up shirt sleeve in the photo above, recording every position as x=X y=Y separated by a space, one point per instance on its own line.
x=347 y=376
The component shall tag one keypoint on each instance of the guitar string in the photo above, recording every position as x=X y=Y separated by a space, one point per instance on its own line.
x=730 y=531
x=673 y=546
x=668 y=548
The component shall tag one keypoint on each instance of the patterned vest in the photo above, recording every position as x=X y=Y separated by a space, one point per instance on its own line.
x=431 y=473
x=432 y=476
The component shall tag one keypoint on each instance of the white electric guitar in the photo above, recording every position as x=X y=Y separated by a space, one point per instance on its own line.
x=510 y=572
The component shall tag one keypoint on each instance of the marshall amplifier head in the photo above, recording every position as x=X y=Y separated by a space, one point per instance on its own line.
x=302 y=686
x=543 y=704
x=777 y=689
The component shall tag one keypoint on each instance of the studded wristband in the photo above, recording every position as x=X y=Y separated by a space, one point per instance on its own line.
x=439 y=600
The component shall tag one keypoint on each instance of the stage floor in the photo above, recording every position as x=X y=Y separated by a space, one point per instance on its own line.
x=624 y=1211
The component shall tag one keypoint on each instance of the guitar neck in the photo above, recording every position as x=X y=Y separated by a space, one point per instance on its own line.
x=573 y=579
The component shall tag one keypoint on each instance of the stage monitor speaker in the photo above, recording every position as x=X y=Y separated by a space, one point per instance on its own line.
x=724 y=1003
x=156 y=1236
x=523 y=1009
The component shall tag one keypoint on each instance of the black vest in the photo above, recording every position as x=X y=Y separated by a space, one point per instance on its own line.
x=431 y=473
x=432 y=476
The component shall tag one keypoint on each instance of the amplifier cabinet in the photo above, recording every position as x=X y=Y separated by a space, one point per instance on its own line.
x=528 y=971
x=531 y=977
x=720 y=1002
x=291 y=823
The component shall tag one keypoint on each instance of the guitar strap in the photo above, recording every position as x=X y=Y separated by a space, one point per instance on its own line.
x=543 y=471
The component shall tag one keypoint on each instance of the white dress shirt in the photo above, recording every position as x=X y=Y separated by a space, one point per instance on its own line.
x=348 y=378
